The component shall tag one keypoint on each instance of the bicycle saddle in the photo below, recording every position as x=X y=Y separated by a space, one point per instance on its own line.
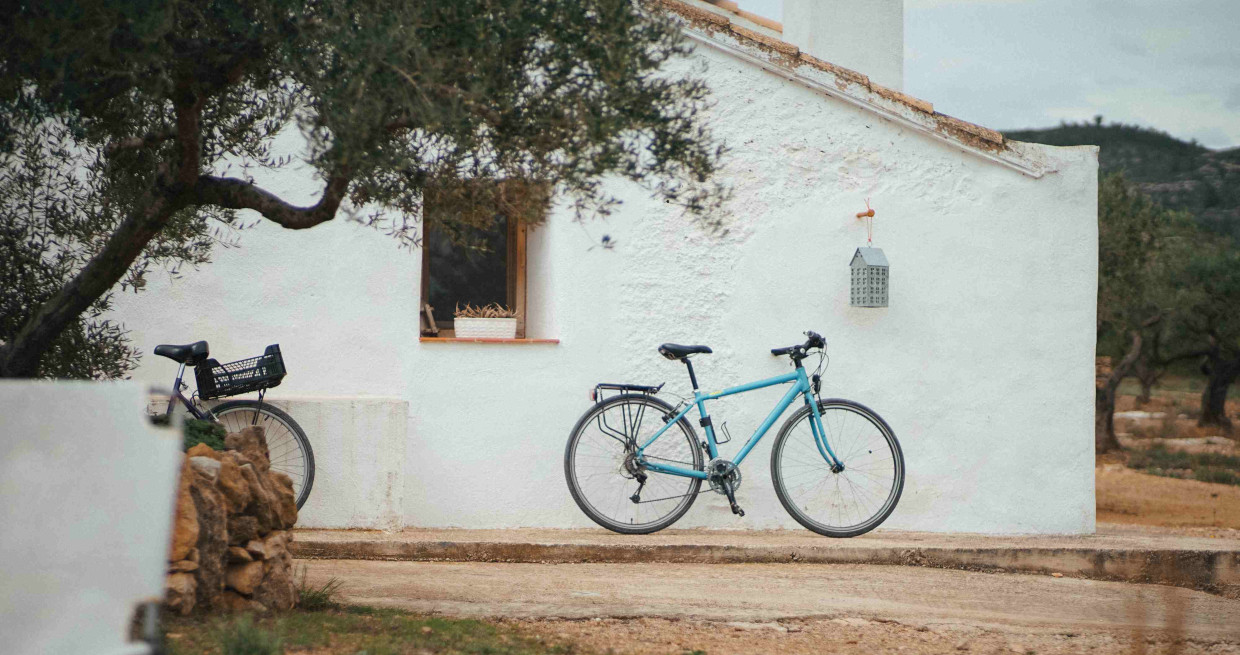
x=677 y=351
x=190 y=354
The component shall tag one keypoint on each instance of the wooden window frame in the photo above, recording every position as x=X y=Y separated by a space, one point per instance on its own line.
x=516 y=283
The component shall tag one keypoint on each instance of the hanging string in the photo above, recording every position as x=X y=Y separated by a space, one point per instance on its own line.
x=868 y=215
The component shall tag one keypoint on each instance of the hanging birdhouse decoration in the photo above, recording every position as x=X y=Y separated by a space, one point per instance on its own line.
x=869 y=269
x=869 y=278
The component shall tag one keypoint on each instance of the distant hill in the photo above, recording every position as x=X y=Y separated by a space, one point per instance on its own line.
x=1179 y=174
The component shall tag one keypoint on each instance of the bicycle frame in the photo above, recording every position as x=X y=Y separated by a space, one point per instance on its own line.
x=800 y=387
x=204 y=415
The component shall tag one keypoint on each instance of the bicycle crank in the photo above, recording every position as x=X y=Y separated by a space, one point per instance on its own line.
x=725 y=479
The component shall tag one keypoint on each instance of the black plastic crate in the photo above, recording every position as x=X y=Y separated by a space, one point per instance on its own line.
x=216 y=380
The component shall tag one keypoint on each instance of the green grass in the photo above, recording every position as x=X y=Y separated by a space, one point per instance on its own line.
x=1176 y=384
x=323 y=597
x=1206 y=467
x=350 y=630
x=242 y=637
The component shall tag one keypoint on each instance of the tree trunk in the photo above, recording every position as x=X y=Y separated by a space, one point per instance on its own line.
x=1104 y=398
x=1104 y=419
x=1223 y=372
x=1148 y=376
x=20 y=358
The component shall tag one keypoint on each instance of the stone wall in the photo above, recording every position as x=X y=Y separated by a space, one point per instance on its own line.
x=232 y=529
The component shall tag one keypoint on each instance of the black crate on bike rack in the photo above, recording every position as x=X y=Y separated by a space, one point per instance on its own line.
x=216 y=380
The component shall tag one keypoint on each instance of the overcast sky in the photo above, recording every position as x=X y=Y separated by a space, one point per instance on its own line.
x=1007 y=64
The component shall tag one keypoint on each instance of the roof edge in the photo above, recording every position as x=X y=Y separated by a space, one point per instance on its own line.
x=771 y=53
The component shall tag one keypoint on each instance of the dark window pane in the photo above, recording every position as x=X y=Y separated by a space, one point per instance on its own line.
x=474 y=271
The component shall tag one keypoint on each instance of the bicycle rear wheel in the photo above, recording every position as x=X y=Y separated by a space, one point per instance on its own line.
x=602 y=475
x=286 y=441
x=845 y=503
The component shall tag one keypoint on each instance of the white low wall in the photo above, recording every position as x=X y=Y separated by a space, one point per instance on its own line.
x=359 y=452
x=86 y=499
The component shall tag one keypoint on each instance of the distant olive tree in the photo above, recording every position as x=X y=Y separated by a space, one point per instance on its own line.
x=1140 y=248
x=1210 y=286
x=126 y=129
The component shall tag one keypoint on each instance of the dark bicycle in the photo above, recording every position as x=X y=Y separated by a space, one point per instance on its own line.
x=286 y=441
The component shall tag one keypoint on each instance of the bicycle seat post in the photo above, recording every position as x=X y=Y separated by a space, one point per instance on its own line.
x=692 y=377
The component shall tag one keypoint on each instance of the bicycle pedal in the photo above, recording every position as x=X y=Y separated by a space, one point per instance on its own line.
x=736 y=509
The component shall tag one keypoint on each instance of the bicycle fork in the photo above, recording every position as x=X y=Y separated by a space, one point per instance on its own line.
x=820 y=435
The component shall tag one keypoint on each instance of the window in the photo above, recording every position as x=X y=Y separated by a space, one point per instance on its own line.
x=478 y=268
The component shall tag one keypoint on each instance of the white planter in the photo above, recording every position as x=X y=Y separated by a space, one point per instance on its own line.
x=485 y=328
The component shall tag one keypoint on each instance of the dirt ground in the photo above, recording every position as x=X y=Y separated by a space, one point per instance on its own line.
x=1132 y=497
x=649 y=636
x=798 y=608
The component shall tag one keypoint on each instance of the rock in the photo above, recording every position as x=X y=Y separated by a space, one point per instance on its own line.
x=206 y=466
x=237 y=554
x=183 y=566
x=276 y=543
x=233 y=485
x=179 y=592
x=252 y=444
x=1056 y=575
x=257 y=549
x=262 y=502
x=212 y=540
x=285 y=500
x=244 y=578
x=277 y=591
x=185 y=523
x=232 y=601
x=203 y=450
x=242 y=529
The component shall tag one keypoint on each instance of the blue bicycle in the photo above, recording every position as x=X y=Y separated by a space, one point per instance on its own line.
x=635 y=465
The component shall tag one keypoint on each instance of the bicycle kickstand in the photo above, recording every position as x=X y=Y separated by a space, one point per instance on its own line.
x=261 y=393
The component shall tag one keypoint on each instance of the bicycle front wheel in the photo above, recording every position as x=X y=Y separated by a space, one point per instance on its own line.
x=603 y=475
x=286 y=442
x=845 y=503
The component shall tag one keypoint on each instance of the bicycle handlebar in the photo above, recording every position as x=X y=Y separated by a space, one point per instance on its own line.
x=798 y=351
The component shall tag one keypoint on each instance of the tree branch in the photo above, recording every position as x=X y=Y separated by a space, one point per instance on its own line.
x=135 y=142
x=20 y=358
x=231 y=193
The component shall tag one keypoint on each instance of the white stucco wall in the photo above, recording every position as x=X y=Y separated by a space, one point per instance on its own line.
x=983 y=363
x=87 y=487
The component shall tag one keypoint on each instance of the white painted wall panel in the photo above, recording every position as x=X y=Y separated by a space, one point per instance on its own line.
x=87 y=487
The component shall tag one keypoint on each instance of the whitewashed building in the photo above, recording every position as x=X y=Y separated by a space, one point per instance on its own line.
x=982 y=362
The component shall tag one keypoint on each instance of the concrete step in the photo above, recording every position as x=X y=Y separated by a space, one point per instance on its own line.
x=1208 y=560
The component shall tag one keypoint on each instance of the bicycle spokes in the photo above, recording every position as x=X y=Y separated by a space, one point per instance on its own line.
x=612 y=484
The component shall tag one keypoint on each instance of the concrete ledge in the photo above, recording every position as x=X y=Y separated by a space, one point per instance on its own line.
x=1115 y=553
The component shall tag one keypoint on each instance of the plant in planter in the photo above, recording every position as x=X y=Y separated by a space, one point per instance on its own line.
x=493 y=321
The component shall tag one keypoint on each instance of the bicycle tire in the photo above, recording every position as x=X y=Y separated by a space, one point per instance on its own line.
x=864 y=471
x=657 y=483
x=286 y=442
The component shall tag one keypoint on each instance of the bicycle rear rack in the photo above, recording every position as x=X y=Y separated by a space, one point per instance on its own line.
x=598 y=393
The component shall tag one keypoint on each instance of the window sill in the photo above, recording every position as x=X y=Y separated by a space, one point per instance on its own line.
x=468 y=340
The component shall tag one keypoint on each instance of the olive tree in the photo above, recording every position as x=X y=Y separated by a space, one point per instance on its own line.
x=1210 y=320
x=141 y=116
x=1140 y=247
